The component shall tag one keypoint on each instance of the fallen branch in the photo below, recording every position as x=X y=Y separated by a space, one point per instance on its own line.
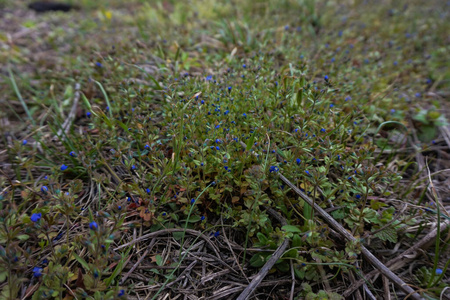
x=367 y=254
x=270 y=263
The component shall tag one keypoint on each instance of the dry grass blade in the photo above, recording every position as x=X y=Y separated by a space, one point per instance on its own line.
x=64 y=130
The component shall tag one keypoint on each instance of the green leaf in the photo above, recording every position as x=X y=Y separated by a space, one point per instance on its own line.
x=23 y=237
x=308 y=211
x=283 y=266
x=300 y=274
x=178 y=235
x=296 y=241
x=388 y=234
x=81 y=261
x=194 y=219
x=427 y=133
x=258 y=260
x=3 y=276
x=118 y=269
x=338 y=214
x=291 y=228
x=292 y=253
x=159 y=260
x=262 y=238
x=250 y=141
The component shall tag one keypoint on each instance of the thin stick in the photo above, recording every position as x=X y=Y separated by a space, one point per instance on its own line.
x=425 y=240
x=291 y=297
x=367 y=254
x=152 y=243
x=269 y=264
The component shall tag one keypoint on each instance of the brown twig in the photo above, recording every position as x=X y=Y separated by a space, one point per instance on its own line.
x=405 y=255
x=269 y=264
x=152 y=243
x=367 y=254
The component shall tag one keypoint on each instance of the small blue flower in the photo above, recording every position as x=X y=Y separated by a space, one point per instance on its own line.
x=36 y=217
x=333 y=60
x=37 y=272
x=208 y=78
x=226 y=167
x=245 y=115
x=273 y=169
x=322 y=130
x=348 y=98
x=202 y=218
x=217 y=126
x=24 y=142
x=63 y=167
x=418 y=95
x=392 y=111
x=229 y=88
x=148 y=190
x=298 y=161
x=72 y=153
x=133 y=167
x=44 y=189
x=95 y=274
x=226 y=112
x=325 y=77
x=217 y=233
x=121 y=293
x=358 y=196
x=438 y=271
x=276 y=83
x=93 y=225
x=164 y=214
x=244 y=66
x=192 y=201
x=119 y=207
x=217 y=148
x=286 y=27
x=147 y=146
x=307 y=172
x=202 y=102
x=98 y=64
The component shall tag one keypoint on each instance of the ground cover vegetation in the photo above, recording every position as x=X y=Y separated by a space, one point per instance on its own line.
x=225 y=150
